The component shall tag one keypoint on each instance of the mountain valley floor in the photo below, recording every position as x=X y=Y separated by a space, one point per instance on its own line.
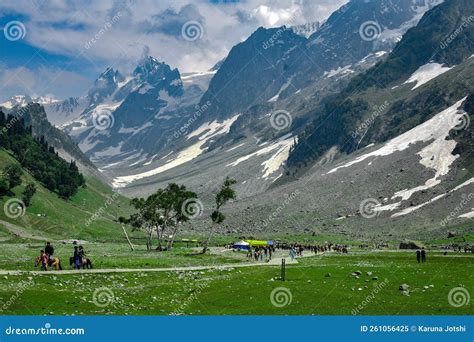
x=224 y=282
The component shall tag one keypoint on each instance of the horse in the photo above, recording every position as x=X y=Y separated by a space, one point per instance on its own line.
x=86 y=262
x=54 y=262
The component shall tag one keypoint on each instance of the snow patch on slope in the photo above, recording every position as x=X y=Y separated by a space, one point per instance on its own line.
x=434 y=199
x=435 y=128
x=283 y=87
x=437 y=155
x=339 y=71
x=468 y=215
x=426 y=73
x=277 y=159
x=205 y=133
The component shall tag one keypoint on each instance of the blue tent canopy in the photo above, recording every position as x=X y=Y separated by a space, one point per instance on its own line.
x=242 y=245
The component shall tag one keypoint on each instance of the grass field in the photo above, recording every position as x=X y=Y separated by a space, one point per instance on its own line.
x=319 y=285
x=20 y=256
x=54 y=218
x=308 y=289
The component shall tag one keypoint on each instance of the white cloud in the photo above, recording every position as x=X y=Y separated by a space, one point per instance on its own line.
x=65 y=27
x=44 y=81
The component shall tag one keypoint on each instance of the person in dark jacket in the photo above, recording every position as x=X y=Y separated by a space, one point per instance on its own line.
x=77 y=258
x=423 y=255
x=49 y=250
x=418 y=255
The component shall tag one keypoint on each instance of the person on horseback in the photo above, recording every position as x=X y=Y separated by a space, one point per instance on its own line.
x=77 y=258
x=49 y=250
x=82 y=256
x=43 y=258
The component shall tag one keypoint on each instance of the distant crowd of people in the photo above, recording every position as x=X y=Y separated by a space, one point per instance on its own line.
x=300 y=248
x=263 y=253
x=459 y=248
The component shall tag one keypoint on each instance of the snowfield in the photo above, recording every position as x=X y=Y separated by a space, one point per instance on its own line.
x=276 y=160
x=426 y=73
x=204 y=133
x=437 y=155
x=339 y=71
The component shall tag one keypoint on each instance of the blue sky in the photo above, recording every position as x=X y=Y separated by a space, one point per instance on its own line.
x=64 y=45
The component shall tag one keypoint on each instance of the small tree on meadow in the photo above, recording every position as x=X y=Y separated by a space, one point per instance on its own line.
x=225 y=194
x=160 y=212
x=28 y=194
x=145 y=218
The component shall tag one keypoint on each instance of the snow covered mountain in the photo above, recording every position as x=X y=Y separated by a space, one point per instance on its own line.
x=130 y=117
x=23 y=100
x=157 y=124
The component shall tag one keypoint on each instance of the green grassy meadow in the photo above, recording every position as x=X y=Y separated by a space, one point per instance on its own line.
x=317 y=285
x=308 y=289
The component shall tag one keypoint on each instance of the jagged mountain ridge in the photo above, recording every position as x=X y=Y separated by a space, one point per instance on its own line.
x=277 y=62
x=149 y=101
x=417 y=49
x=264 y=71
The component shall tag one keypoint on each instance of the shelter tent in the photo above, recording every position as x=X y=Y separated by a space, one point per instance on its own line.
x=242 y=245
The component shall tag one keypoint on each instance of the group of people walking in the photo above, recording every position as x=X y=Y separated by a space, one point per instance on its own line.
x=301 y=248
x=263 y=253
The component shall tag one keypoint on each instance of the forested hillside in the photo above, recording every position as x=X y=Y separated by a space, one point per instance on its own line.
x=40 y=159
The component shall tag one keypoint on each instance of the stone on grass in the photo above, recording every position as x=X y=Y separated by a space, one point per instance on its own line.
x=404 y=287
